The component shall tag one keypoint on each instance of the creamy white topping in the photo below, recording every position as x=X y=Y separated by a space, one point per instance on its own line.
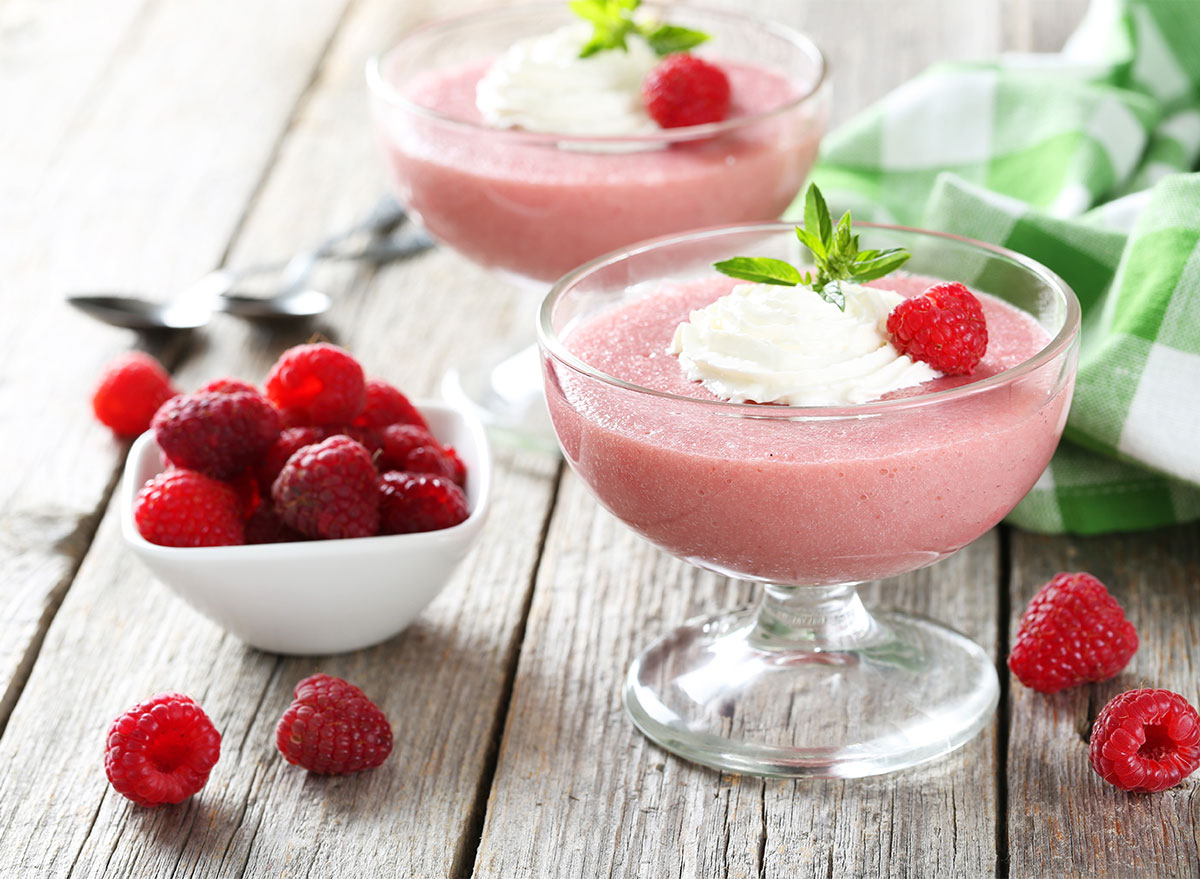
x=764 y=343
x=541 y=84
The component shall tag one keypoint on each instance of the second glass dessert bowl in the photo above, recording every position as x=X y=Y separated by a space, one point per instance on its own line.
x=534 y=205
x=808 y=502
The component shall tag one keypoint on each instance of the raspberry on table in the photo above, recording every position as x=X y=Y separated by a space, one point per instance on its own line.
x=412 y=502
x=162 y=750
x=386 y=405
x=1146 y=740
x=332 y=728
x=943 y=327
x=129 y=392
x=328 y=490
x=317 y=384
x=217 y=433
x=186 y=508
x=685 y=90
x=1073 y=632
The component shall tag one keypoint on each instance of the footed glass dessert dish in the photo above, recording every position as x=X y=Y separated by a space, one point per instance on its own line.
x=533 y=204
x=808 y=501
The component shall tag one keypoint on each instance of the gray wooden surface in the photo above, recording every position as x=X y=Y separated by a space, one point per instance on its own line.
x=146 y=142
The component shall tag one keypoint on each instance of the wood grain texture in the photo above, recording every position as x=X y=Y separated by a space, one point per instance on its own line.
x=579 y=792
x=120 y=637
x=139 y=184
x=1063 y=819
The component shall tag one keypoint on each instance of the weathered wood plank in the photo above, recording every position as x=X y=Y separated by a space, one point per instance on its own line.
x=443 y=682
x=579 y=792
x=140 y=186
x=1063 y=819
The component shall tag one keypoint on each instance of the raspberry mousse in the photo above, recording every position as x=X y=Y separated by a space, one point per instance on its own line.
x=527 y=157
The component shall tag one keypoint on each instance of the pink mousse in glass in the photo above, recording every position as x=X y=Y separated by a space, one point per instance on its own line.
x=537 y=204
x=806 y=500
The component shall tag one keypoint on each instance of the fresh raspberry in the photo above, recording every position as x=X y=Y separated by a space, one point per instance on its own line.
x=161 y=751
x=328 y=490
x=1073 y=632
x=289 y=441
x=317 y=384
x=944 y=327
x=131 y=389
x=218 y=434
x=431 y=460
x=458 y=470
x=685 y=90
x=229 y=385
x=245 y=486
x=186 y=508
x=266 y=526
x=332 y=728
x=400 y=441
x=1146 y=740
x=410 y=502
x=386 y=405
x=369 y=437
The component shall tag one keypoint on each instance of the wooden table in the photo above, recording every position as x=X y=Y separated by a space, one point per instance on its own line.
x=146 y=143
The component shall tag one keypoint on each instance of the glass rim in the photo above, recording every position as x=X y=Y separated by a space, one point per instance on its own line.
x=379 y=86
x=553 y=345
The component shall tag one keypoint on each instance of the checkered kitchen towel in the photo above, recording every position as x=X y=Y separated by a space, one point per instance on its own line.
x=1081 y=161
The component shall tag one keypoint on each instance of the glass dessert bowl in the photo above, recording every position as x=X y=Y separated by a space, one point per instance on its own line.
x=809 y=501
x=534 y=204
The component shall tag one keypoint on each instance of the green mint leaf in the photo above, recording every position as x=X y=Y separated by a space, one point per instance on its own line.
x=816 y=217
x=877 y=267
x=760 y=269
x=595 y=11
x=832 y=293
x=811 y=242
x=667 y=38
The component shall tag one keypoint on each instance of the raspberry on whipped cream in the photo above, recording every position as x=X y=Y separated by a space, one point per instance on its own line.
x=542 y=84
x=766 y=343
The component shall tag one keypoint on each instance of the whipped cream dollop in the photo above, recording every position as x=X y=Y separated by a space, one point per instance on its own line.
x=764 y=343
x=541 y=84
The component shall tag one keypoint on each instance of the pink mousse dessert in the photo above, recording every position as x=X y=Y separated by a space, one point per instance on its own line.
x=869 y=465
x=525 y=157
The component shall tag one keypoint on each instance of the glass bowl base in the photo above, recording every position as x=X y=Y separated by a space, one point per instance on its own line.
x=715 y=693
x=504 y=388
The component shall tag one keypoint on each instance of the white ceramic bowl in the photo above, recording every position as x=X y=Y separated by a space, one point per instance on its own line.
x=321 y=596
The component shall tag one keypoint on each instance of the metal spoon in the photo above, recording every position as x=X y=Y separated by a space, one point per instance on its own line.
x=194 y=306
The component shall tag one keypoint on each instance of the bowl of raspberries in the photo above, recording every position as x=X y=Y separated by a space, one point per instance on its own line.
x=318 y=514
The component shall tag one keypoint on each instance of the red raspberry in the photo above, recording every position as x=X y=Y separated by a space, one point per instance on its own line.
x=266 y=526
x=130 y=391
x=685 y=90
x=186 y=508
x=400 y=441
x=332 y=728
x=369 y=437
x=328 y=490
x=1073 y=632
x=412 y=448
x=1146 y=740
x=410 y=502
x=944 y=327
x=317 y=384
x=218 y=434
x=458 y=470
x=245 y=486
x=228 y=385
x=161 y=751
x=386 y=405
x=289 y=441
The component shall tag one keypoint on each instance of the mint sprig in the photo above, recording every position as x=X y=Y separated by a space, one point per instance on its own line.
x=835 y=254
x=612 y=21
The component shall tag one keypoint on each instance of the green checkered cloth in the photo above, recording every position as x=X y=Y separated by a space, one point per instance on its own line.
x=1079 y=160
